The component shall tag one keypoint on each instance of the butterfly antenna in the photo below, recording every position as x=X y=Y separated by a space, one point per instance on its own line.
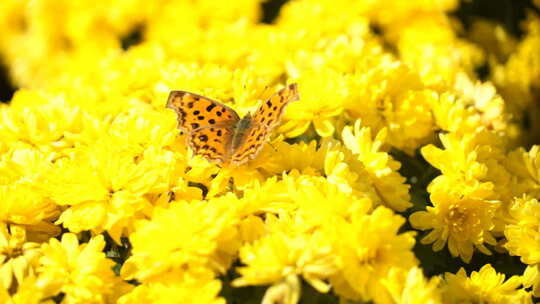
x=272 y=146
x=265 y=94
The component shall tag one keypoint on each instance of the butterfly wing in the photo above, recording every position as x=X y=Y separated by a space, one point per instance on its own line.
x=270 y=112
x=209 y=124
x=262 y=123
x=254 y=140
x=211 y=142
x=195 y=111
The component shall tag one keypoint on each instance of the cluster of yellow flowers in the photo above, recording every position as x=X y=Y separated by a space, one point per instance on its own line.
x=101 y=201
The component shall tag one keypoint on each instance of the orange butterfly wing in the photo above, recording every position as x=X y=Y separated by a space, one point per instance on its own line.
x=194 y=111
x=254 y=140
x=270 y=112
x=211 y=142
x=209 y=124
x=263 y=121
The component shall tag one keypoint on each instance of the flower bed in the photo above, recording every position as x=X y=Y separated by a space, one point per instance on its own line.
x=407 y=171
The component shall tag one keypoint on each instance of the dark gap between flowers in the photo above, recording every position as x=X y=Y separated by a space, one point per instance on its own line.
x=134 y=37
x=508 y=13
x=270 y=10
x=7 y=88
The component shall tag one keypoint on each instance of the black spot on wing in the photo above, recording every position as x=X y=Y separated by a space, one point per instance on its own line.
x=210 y=107
x=182 y=114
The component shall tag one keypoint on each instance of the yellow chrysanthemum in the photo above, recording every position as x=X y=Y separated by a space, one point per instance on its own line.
x=39 y=119
x=388 y=183
x=306 y=196
x=426 y=38
x=367 y=248
x=211 y=80
x=460 y=221
x=525 y=167
x=28 y=292
x=451 y=114
x=411 y=287
x=286 y=292
x=307 y=158
x=287 y=251
x=429 y=44
x=466 y=207
x=494 y=39
x=81 y=272
x=18 y=257
x=516 y=78
x=184 y=236
x=331 y=159
x=522 y=238
x=302 y=204
x=523 y=231
x=104 y=189
x=38 y=29
x=187 y=288
x=360 y=171
x=484 y=286
x=483 y=97
x=295 y=13
x=22 y=170
x=392 y=96
x=322 y=99
x=396 y=11
x=24 y=205
x=531 y=278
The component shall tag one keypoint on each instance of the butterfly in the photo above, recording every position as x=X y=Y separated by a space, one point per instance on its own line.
x=216 y=132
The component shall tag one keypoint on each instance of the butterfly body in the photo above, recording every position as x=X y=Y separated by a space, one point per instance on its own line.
x=216 y=132
x=240 y=131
